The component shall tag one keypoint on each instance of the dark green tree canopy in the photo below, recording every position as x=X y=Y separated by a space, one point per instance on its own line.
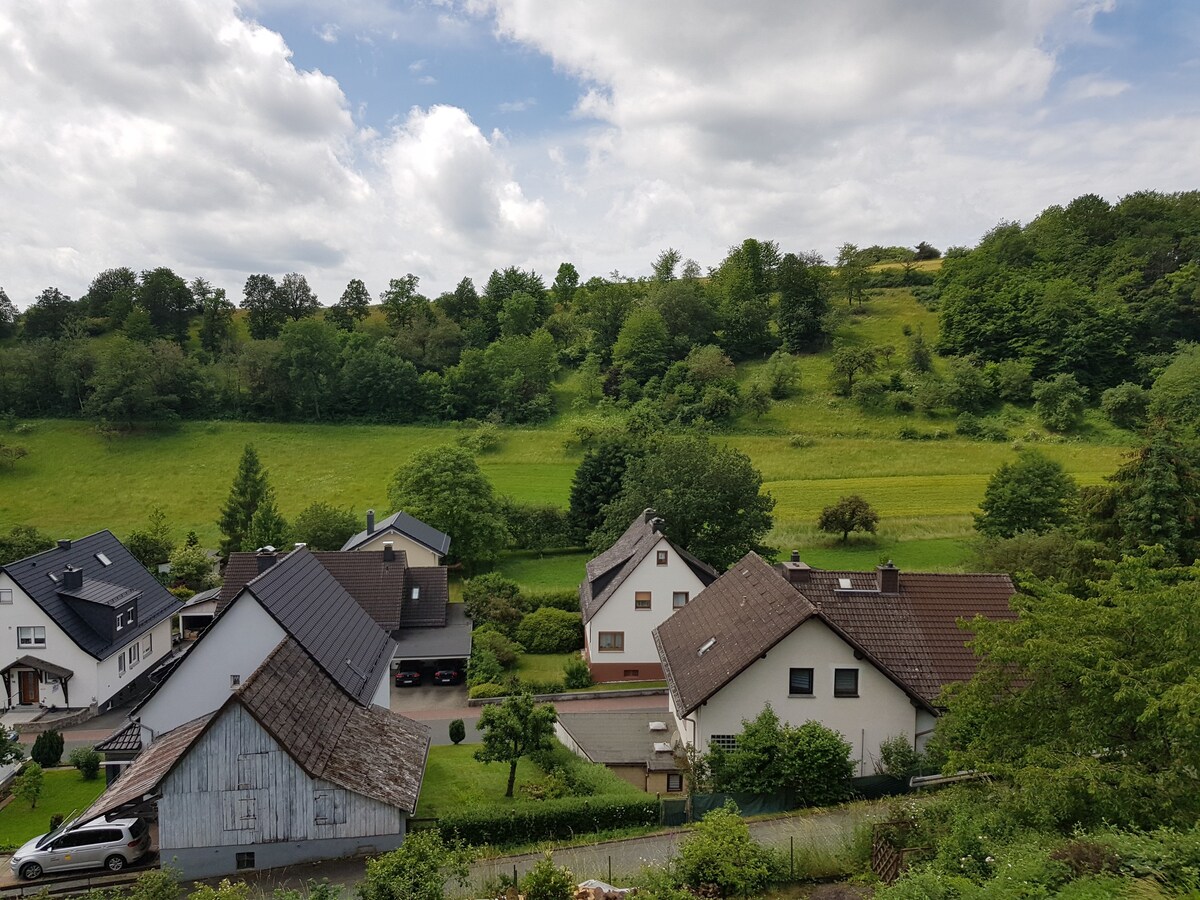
x=513 y=729
x=851 y=513
x=710 y=497
x=323 y=526
x=1031 y=494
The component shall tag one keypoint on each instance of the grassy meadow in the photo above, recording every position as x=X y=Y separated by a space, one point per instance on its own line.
x=811 y=449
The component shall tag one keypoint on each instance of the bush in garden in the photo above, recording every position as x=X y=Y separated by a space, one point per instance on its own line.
x=86 y=760
x=550 y=630
x=458 y=731
x=576 y=674
x=47 y=749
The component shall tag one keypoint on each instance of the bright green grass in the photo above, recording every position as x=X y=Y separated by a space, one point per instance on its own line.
x=549 y=572
x=63 y=791
x=542 y=666
x=454 y=779
x=75 y=482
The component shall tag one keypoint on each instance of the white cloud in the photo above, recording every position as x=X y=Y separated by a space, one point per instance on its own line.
x=1093 y=86
x=328 y=32
x=517 y=106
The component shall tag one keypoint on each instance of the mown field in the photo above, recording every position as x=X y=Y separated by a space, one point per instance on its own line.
x=75 y=481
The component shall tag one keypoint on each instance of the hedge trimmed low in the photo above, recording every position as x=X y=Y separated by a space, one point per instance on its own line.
x=527 y=822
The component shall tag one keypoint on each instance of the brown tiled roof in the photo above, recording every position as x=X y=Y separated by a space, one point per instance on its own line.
x=912 y=636
x=607 y=572
x=365 y=749
x=123 y=740
x=370 y=751
x=143 y=775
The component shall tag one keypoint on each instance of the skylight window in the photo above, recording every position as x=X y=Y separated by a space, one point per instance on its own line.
x=416 y=593
x=53 y=577
x=706 y=646
x=844 y=584
x=104 y=560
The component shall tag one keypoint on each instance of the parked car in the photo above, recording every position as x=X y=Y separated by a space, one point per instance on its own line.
x=111 y=845
x=407 y=677
x=447 y=676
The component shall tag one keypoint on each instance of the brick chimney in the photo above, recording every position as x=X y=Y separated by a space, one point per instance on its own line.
x=72 y=579
x=648 y=514
x=389 y=551
x=795 y=571
x=370 y=521
x=889 y=578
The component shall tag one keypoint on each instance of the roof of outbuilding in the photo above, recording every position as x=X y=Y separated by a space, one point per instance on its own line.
x=414 y=529
x=912 y=636
x=124 y=740
x=123 y=578
x=608 y=571
x=622 y=737
x=331 y=736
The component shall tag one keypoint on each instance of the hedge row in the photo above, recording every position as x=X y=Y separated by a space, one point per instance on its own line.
x=528 y=822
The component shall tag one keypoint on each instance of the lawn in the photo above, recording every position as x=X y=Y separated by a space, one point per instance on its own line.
x=542 y=667
x=63 y=791
x=811 y=448
x=454 y=779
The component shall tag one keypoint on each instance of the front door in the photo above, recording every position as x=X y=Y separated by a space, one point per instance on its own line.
x=28 y=681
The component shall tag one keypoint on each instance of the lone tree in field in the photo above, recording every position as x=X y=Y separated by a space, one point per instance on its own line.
x=28 y=785
x=515 y=728
x=249 y=490
x=1031 y=494
x=849 y=514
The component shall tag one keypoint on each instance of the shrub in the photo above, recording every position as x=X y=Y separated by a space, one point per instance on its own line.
x=1059 y=402
x=781 y=375
x=86 y=760
x=156 y=884
x=493 y=599
x=1126 y=405
x=487 y=690
x=565 y=600
x=549 y=630
x=458 y=731
x=576 y=674
x=488 y=638
x=720 y=853
x=898 y=758
x=552 y=686
x=47 y=749
x=546 y=881
x=483 y=666
x=800 y=441
x=417 y=870
x=535 y=527
x=525 y=821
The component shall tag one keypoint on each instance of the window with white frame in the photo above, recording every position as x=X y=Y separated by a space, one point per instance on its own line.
x=120 y=621
x=121 y=665
x=148 y=645
x=31 y=636
x=135 y=655
x=131 y=615
x=5 y=596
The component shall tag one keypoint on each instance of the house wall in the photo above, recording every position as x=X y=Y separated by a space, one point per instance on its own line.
x=619 y=614
x=82 y=687
x=237 y=790
x=383 y=691
x=235 y=644
x=880 y=711
x=416 y=554
x=111 y=681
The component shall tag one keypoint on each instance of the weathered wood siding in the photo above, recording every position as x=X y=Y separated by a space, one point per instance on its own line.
x=237 y=786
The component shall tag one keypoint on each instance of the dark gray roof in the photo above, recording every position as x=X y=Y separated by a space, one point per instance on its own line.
x=433 y=596
x=125 y=574
x=311 y=606
x=608 y=571
x=36 y=662
x=123 y=740
x=414 y=529
x=449 y=641
x=623 y=738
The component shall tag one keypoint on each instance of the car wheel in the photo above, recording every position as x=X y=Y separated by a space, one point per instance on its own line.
x=30 y=871
x=114 y=863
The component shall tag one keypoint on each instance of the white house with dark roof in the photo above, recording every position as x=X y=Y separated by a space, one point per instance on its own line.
x=423 y=544
x=630 y=589
x=86 y=623
x=864 y=653
x=294 y=596
x=289 y=768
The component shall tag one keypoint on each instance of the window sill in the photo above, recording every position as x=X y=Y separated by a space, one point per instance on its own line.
x=801 y=696
x=845 y=696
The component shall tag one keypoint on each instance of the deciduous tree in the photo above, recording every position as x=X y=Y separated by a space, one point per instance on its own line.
x=513 y=729
x=323 y=526
x=417 y=870
x=1033 y=493
x=851 y=513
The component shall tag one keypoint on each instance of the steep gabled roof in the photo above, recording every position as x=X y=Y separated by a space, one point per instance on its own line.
x=912 y=636
x=331 y=736
x=413 y=529
x=312 y=607
x=608 y=571
x=123 y=579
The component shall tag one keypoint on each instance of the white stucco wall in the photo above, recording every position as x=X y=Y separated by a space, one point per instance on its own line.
x=880 y=710
x=108 y=673
x=618 y=612
x=416 y=554
x=235 y=644
x=59 y=649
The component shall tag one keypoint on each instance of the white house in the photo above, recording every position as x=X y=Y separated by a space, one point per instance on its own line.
x=864 y=653
x=423 y=544
x=85 y=623
x=293 y=596
x=631 y=588
x=288 y=768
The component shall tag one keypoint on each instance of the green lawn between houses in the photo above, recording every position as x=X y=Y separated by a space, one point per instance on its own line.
x=64 y=791
x=76 y=481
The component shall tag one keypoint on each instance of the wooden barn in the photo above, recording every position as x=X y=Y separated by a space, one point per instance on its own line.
x=290 y=769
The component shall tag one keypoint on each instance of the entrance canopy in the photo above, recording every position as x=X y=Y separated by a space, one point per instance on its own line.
x=32 y=662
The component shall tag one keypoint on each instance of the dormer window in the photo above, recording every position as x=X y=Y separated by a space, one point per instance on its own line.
x=131 y=615
x=120 y=621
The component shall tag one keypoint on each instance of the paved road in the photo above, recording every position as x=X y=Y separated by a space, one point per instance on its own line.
x=830 y=830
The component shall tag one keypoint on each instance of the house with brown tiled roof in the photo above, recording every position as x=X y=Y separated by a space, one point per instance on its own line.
x=291 y=767
x=864 y=653
x=630 y=589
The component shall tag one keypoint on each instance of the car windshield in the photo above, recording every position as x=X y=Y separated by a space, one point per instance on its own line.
x=138 y=828
x=45 y=839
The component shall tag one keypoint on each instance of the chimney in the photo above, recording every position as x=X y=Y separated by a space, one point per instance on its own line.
x=889 y=578
x=656 y=525
x=64 y=545
x=648 y=514
x=795 y=571
x=389 y=551
x=72 y=579
x=370 y=521
x=265 y=559
x=300 y=545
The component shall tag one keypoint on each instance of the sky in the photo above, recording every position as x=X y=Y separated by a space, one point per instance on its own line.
x=447 y=138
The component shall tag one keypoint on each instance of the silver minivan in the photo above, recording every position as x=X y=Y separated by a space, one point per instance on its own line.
x=111 y=845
